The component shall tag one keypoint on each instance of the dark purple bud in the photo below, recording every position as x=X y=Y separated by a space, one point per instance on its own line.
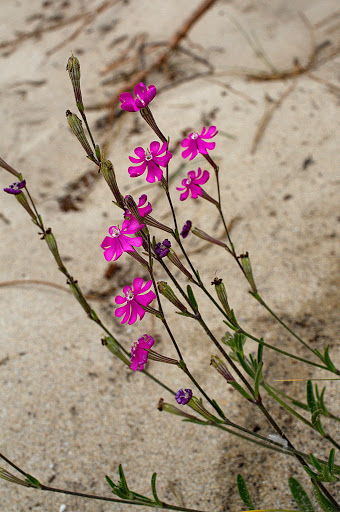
x=183 y=396
x=15 y=188
x=186 y=229
x=162 y=248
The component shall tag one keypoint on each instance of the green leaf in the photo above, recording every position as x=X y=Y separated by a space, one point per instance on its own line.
x=123 y=486
x=33 y=481
x=218 y=409
x=257 y=380
x=300 y=496
x=316 y=463
x=301 y=405
x=191 y=298
x=322 y=501
x=310 y=397
x=328 y=360
x=260 y=352
x=331 y=461
x=154 y=492
x=243 y=492
x=242 y=391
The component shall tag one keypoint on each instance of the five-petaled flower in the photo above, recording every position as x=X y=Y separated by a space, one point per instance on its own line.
x=139 y=352
x=162 y=248
x=15 y=188
x=119 y=242
x=152 y=160
x=183 y=396
x=143 y=95
x=195 y=143
x=134 y=298
x=186 y=229
x=193 y=184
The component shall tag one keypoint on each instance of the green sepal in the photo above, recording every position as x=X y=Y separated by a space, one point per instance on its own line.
x=32 y=481
x=322 y=501
x=98 y=154
x=192 y=299
x=300 y=496
x=243 y=492
x=154 y=491
x=258 y=379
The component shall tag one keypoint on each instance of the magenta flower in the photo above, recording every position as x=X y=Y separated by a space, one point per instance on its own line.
x=119 y=242
x=195 y=143
x=143 y=208
x=186 y=229
x=192 y=184
x=139 y=352
x=133 y=298
x=143 y=97
x=151 y=160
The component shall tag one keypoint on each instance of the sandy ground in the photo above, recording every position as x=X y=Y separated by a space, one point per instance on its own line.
x=70 y=413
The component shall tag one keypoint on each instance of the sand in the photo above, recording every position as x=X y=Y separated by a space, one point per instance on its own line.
x=70 y=412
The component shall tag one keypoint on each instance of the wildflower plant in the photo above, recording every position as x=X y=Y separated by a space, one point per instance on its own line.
x=140 y=236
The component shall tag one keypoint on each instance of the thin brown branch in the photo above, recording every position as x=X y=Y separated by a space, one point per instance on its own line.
x=267 y=117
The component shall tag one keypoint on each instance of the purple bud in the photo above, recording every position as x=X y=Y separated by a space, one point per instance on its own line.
x=183 y=396
x=186 y=228
x=15 y=188
x=162 y=248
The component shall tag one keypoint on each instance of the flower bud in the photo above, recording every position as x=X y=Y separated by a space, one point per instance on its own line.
x=222 y=296
x=221 y=367
x=163 y=406
x=205 y=236
x=75 y=289
x=113 y=346
x=73 y=68
x=176 y=261
x=107 y=170
x=52 y=245
x=77 y=129
x=168 y=293
x=246 y=265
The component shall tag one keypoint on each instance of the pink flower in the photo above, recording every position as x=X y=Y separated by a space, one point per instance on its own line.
x=143 y=208
x=143 y=97
x=192 y=184
x=133 y=299
x=150 y=159
x=195 y=143
x=139 y=352
x=118 y=242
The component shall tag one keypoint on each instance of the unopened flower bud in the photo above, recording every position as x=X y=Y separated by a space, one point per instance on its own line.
x=107 y=170
x=113 y=346
x=75 y=289
x=222 y=296
x=163 y=406
x=221 y=367
x=176 y=261
x=246 y=265
x=168 y=293
x=73 y=68
x=77 y=129
x=52 y=245
x=205 y=236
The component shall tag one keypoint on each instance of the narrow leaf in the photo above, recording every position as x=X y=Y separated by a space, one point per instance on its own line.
x=331 y=461
x=310 y=397
x=154 y=491
x=300 y=496
x=191 y=298
x=243 y=492
x=322 y=501
x=258 y=379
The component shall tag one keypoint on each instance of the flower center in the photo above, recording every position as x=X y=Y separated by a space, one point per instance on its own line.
x=129 y=295
x=140 y=99
x=194 y=136
x=186 y=394
x=148 y=155
x=188 y=181
x=115 y=232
